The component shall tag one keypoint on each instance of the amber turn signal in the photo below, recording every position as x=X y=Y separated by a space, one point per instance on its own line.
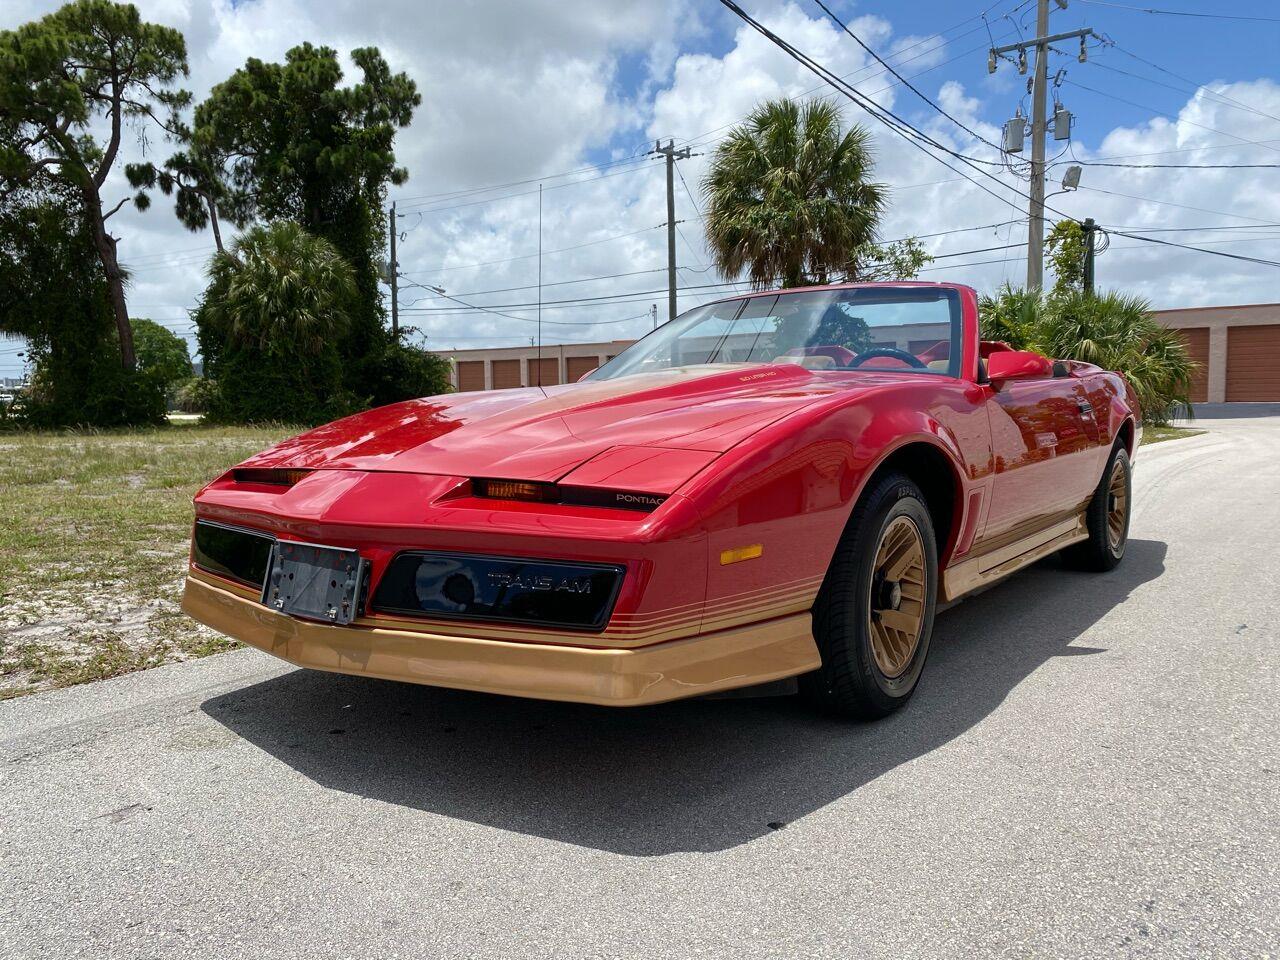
x=738 y=554
x=515 y=490
x=279 y=478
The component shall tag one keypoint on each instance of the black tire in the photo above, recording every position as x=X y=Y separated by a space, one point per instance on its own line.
x=850 y=683
x=1103 y=550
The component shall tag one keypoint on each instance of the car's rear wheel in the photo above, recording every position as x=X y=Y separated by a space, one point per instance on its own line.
x=1106 y=517
x=873 y=618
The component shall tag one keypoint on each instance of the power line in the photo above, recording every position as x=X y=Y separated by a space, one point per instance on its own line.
x=173 y=253
x=701 y=138
x=607 y=298
x=524 y=193
x=698 y=210
x=1180 y=13
x=1184 y=246
x=545 y=253
x=705 y=266
x=1170 y=203
x=689 y=193
x=635 y=233
x=1212 y=243
x=903 y=80
x=466 y=307
x=911 y=134
x=1247 y=226
x=439 y=292
x=1195 y=83
x=1180 y=166
x=1161 y=113
x=1209 y=94
x=602 y=299
x=453 y=194
x=562 y=283
x=1265 y=144
x=576 y=323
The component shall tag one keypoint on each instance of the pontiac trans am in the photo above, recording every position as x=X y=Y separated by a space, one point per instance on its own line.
x=777 y=485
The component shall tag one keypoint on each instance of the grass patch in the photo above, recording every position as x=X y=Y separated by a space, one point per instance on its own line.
x=1160 y=434
x=94 y=531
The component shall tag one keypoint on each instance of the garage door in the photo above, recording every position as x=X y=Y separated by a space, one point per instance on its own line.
x=1197 y=341
x=923 y=346
x=579 y=367
x=470 y=375
x=544 y=372
x=506 y=374
x=1253 y=363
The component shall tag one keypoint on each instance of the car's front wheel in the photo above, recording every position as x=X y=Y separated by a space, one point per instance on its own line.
x=1107 y=517
x=874 y=614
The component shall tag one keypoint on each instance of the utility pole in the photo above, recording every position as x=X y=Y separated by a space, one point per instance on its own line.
x=672 y=156
x=1089 y=229
x=1039 y=85
x=393 y=277
x=1039 y=111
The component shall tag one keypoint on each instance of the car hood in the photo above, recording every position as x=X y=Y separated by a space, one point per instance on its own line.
x=543 y=434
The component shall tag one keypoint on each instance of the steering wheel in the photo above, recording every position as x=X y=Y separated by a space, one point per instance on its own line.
x=893 y=353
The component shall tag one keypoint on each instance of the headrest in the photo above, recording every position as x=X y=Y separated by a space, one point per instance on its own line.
x=808 y=362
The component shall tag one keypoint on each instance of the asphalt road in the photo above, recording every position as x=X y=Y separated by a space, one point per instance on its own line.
x=1091 y=769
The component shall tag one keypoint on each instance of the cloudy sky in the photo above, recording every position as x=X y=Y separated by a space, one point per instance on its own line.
x=570 y=94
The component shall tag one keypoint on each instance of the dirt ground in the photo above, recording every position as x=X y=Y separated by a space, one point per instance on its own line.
x=94 y=532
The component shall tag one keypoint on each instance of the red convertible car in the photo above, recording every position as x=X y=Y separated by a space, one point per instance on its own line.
x=777 y=485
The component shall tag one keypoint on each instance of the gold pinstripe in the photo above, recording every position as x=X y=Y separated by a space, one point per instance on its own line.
x=692 y=667
x=624 y=630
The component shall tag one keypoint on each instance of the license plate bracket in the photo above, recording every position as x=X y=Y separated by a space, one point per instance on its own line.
x=315 y=582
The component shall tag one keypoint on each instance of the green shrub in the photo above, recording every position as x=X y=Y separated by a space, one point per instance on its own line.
x=1012 y=316
x=270 y=326
x=162 y=351
x=1113 y=330
x=1118 y=332
x=109 y=396
x=195 y=394
x=54 y=295
x=401 y=371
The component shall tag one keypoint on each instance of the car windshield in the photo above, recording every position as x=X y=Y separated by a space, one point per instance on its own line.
x=903 y=329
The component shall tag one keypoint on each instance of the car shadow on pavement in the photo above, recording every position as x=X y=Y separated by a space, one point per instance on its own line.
x=698 y=775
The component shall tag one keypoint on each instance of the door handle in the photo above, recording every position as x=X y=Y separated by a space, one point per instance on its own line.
x=1085 y=407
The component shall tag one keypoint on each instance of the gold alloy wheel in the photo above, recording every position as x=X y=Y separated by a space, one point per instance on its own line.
x=1117 y=505
x=896 y=604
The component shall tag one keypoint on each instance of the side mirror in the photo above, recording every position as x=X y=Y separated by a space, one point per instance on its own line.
x=1017 y=365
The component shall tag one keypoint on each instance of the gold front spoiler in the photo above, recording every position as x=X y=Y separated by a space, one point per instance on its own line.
x=724 y=660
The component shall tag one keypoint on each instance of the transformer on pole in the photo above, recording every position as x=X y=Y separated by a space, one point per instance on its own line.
x=1013 y=130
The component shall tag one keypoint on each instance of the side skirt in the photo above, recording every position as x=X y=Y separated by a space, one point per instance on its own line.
x=974 y=573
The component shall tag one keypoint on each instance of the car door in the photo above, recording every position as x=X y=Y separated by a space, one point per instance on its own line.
x=1043 y=456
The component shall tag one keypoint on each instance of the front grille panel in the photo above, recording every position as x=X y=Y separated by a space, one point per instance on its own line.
x=231 y=552
x=547 y=593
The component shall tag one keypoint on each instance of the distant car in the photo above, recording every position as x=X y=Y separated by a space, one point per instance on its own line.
x=771 y=486
x=6 y=399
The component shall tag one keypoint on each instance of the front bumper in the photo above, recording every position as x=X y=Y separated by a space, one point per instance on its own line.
x=672 y=670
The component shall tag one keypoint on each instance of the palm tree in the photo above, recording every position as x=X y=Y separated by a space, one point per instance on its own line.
x=1012 y=316
x=1118 y=332
x=281 y=288
x=789 y=196
x=1113 y=330
x=271 y=326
